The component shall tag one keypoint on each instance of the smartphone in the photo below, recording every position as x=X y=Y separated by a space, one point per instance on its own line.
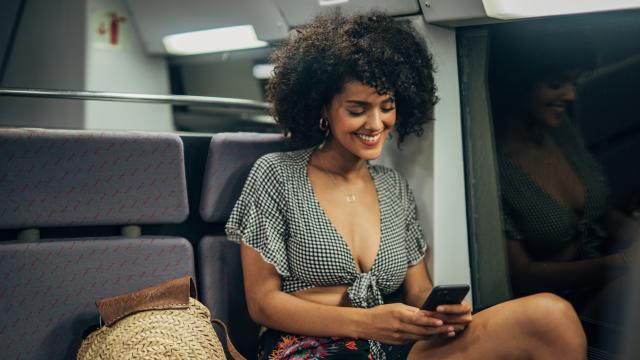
x=445 y=294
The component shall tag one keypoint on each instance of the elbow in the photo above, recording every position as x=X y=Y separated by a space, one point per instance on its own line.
x=523 y=280
x=257 y=307
x=255 y=311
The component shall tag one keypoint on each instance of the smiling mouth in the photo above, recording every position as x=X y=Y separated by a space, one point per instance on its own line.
x=560 y=107
x=369 y=140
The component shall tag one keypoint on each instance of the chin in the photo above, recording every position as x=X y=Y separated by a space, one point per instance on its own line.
x=553 y=122
x=367 y=152
x=369 y=155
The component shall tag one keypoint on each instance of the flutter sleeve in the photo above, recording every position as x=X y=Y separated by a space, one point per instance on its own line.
x=259 y=217
x=509 y=225
x=415 y=241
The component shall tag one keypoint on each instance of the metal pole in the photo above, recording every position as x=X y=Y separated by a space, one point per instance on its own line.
x=217 y=102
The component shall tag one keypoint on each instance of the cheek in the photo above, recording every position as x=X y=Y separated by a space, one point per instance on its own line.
x=390 y=120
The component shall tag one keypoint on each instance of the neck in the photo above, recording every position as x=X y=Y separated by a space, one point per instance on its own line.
x=522 y=131
x=340 y=161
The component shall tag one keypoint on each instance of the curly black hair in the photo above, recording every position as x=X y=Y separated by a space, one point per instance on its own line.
x=523 y=54
x=373 y=48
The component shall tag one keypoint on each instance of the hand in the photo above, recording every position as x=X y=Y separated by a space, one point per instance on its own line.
x=456 y=315
x=629 y=254
x=399 y=323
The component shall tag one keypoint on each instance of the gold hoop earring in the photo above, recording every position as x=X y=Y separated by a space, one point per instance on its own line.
x=324 y=124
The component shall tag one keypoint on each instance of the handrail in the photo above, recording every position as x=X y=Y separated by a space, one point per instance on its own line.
x=226 y=103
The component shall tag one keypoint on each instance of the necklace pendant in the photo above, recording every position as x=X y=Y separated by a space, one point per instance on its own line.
x=351 y=198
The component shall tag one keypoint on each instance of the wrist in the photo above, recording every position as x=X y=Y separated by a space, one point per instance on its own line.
x=627 y=257
x=359 y=323
x=617 y=261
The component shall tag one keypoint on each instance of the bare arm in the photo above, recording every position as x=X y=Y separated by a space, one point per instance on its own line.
x=417 y=284
x=624 y=230
x=392 y=323
x=531 y=276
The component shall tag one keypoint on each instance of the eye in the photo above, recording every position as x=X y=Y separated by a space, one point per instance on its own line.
x=388 y=109
x=356 y=112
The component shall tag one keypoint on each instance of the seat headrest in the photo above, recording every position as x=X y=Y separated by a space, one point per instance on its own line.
x=606 y=102
x=76 y=178
x=231 y=156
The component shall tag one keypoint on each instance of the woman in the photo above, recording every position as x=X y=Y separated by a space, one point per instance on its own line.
x=325 y=235
x=563 y=235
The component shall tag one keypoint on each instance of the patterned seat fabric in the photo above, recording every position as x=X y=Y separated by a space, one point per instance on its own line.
x=71 y=178
x=230 y=159
x=48 y=288
x=222 y=291
x=62 y=178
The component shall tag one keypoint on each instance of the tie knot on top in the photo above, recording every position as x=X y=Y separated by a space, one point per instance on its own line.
x=364 y=292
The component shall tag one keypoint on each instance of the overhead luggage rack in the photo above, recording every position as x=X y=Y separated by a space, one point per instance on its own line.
x=216 y=102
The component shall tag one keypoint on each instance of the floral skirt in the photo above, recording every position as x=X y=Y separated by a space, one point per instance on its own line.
x=276 y=345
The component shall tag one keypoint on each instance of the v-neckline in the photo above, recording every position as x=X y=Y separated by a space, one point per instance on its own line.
x=574 y=166
x=326 y=218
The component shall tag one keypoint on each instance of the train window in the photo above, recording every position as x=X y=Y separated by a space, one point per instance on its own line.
x=237 y=74
x=551 y=131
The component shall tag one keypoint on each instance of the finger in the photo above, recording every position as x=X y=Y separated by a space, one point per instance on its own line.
x=426 y=331
x=424 y=320
x=454 y=319
x=454 y=309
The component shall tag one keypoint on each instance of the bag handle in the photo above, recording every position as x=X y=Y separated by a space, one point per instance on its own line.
x=235 y=354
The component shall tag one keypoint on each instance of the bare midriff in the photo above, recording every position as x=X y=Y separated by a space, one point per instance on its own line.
x=326 y=295
x=568 y=253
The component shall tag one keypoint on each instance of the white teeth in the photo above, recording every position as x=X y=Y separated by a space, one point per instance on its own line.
x=368 y=138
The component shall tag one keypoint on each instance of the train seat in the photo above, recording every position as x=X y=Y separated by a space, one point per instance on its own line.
x=61 y=178
x=230 y=158
x=607 y=114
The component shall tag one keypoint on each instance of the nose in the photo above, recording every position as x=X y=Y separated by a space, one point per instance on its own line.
x=569 y=92
x=374 y=120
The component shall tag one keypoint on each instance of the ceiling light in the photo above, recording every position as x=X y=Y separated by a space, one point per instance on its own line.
x=518 y=9
x=213 y=40
x=263 y=71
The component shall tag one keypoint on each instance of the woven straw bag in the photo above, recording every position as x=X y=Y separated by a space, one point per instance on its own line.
x=160 y=322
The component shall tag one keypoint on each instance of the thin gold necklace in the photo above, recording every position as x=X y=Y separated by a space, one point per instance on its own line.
x=349 y=196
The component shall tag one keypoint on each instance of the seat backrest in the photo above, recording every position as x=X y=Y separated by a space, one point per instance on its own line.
x=71 y=178
x=49 y=288
x=607 y=112
x=231 y=156
x=606 y=105
x=222 y=290
x=61 y=178
x=230 y=159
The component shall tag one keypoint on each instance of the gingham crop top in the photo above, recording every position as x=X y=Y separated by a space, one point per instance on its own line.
x=278 y=215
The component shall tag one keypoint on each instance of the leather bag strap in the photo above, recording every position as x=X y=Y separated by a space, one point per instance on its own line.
x=235 y=354
x=172 y=294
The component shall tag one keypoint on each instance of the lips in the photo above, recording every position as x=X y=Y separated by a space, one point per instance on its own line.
x=369 y=139
x=558 y=106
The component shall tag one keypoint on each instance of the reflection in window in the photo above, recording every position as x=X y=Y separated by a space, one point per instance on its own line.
x=567 y=137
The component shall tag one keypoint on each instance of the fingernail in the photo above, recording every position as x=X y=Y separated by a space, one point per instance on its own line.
x=439 y=323
x=440 y=308
x=450 y=329
x=452 y=334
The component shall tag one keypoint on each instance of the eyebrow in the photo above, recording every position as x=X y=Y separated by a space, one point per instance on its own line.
x=364 y=103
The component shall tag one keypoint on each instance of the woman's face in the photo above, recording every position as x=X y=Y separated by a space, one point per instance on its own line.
x=360 y=119
x=551 y=100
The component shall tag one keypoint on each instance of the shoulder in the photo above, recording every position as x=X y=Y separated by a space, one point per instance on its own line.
x=385 y=173
x=391 y=180
x=278 y=162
